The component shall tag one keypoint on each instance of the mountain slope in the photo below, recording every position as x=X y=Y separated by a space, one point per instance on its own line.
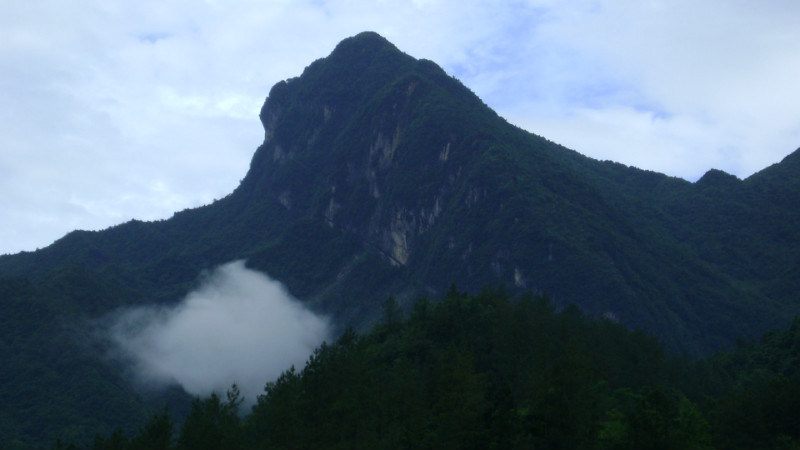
x=381 y=175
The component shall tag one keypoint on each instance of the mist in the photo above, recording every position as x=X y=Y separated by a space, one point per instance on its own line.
x=239 y=326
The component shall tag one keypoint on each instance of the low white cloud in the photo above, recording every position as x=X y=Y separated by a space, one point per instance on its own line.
x=239 y=327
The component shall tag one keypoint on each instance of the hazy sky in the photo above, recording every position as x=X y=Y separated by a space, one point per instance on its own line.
x=112 y=110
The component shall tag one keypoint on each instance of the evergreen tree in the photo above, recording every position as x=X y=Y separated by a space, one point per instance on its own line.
x=157 y=434
x=213 y=424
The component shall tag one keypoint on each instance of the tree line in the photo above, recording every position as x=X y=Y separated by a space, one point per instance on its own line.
x=489 y=371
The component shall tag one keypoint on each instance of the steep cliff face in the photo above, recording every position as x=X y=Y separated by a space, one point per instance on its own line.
x=367 y=156
x=382 y=157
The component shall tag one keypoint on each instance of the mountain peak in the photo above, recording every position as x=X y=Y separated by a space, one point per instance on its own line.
x=357 y=54
x=718 y=178
x=366 y=43
x=354 y=70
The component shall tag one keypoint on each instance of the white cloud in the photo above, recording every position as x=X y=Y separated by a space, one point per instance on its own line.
x=102 y=100
x=238 y=327
x=721 y=75
x=636 y=137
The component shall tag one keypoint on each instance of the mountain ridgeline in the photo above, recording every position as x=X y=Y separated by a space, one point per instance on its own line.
x=382 y=176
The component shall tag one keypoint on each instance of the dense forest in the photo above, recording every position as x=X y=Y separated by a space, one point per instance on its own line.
x=489 y=371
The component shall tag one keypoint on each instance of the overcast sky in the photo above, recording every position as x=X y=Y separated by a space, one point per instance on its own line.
x=112 y=109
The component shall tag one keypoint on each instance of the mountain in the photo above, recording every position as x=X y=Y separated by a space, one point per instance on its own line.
x=380 y=175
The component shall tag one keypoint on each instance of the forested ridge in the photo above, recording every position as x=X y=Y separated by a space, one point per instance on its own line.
x=488 y=371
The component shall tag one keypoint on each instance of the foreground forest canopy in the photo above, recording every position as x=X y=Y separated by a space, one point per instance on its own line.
x=487 y=371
